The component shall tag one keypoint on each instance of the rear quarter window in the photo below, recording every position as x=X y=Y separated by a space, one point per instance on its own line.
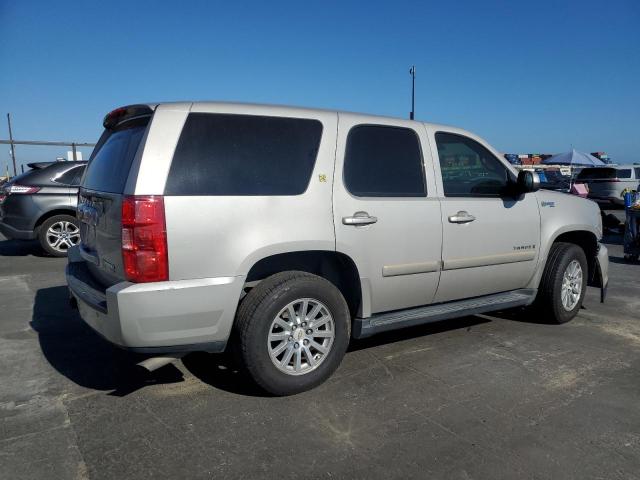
x=71 y=177
x=223 y=154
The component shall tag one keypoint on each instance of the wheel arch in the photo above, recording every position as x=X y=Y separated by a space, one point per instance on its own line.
x=52 y=213
x=585 y=238
x=335 y=267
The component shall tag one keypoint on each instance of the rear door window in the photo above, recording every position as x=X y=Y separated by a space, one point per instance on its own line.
x=225 y=154
x=108 y=169
x=383 y=161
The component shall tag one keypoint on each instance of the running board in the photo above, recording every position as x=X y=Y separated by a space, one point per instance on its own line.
x=382 y=322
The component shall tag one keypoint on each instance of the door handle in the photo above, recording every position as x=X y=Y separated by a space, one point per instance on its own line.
x=359 y=219
x=461 y=217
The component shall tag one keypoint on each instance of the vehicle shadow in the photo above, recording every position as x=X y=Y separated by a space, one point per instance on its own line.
x=622 y=261
x=78 y=353
x=20 y=248
x=524 y=315
x=223 y=371
x=415 y=332
x=613 y=239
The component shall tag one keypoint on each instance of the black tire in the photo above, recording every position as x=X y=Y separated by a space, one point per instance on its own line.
x=259 y=309
x=549 y=299
x=44 y=228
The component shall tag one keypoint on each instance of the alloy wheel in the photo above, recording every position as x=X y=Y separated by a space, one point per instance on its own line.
x=62 y=235
x=301 y=336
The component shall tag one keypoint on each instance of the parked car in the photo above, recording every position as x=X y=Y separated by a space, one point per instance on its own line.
x=41 y=204
x=284 y=232
x=608 y=183
x=553 y=179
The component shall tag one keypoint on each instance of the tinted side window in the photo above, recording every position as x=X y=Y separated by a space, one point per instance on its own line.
x=221 y=154
x=637 y=170
x=469 y=169
x=383 y=161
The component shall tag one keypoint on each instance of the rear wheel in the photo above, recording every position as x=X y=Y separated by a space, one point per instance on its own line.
x=58 y=233
x=292 y=331
x=563 y=284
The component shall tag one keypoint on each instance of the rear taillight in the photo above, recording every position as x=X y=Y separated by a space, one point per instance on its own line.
x=144 y=238
x=23 y=189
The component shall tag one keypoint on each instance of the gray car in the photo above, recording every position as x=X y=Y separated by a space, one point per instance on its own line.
x=608 y=183
x=41 y=204
x=284 y=232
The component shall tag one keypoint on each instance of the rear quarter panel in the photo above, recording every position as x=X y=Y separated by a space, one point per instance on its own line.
x=219 y=236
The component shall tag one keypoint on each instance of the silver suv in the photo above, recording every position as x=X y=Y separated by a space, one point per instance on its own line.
x=609 y=183
x=284 y=232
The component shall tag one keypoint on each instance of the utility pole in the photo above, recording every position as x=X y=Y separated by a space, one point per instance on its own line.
x=13 y=147
x=412 y=72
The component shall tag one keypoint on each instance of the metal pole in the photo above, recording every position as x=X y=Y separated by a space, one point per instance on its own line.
x=73 y=149
x=13 y=147
x=38 y=142
x=412 y=71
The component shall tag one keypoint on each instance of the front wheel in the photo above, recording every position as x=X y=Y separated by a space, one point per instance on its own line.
x=563 y=284
x=58 y=233
x=292 y=331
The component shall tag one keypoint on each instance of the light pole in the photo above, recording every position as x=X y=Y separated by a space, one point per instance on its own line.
x=412 y=72
x=13 y=146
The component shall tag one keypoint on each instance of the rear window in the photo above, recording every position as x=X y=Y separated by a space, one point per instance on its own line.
x=109 y=167
x=222 y=154
x=604 y=173
x=597 y=173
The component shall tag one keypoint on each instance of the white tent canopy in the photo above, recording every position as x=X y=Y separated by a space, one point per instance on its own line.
x=574 y=157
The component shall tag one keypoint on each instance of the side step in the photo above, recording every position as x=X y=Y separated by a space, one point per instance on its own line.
x=382 y=322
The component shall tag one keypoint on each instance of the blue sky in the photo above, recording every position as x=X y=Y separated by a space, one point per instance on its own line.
x=527 y=76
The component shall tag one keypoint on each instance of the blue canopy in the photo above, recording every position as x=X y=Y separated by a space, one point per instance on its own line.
x=574 y=157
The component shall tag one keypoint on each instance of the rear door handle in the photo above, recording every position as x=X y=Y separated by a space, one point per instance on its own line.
x=461 y=217
x=359 y=219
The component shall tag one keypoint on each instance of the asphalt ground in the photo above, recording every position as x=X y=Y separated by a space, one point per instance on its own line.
x=482 y=397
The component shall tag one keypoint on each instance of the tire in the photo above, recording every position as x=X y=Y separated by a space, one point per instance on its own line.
x=258 y=317
x=69 y=234
x=549 y=301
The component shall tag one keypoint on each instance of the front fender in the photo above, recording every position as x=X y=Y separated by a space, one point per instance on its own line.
x=562 y=214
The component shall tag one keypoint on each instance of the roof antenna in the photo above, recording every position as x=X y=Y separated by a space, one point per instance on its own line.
x=412 y=72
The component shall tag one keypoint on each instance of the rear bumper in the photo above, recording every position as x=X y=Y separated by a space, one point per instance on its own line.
x=160 y=317
x=13 y=233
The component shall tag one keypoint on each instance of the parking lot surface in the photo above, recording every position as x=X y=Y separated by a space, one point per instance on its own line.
x=480 y=397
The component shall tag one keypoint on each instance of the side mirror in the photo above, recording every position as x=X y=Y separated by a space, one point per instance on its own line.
x=528 y=181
